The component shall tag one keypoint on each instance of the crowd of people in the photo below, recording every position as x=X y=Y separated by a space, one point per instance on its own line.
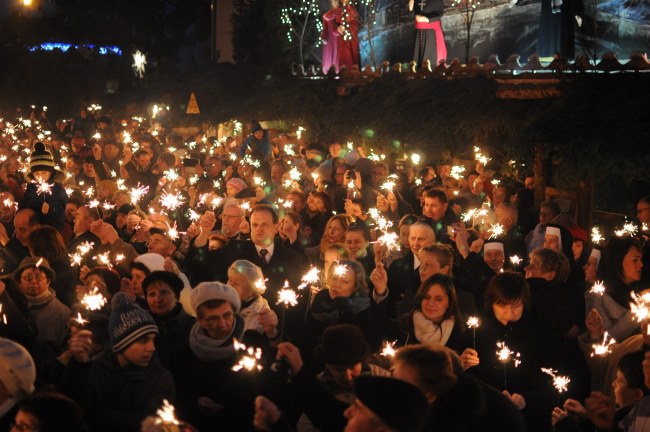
x=259 y=282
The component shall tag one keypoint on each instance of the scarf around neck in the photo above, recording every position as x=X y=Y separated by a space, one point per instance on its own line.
x=429 y=333
x=332 y=310
x=208 y=349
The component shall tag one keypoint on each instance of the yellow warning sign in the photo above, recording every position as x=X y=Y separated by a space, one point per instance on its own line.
x=192 y=106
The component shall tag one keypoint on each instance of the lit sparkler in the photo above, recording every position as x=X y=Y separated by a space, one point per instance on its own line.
x=505 y=355
x=248 y=361
x=604 y=348
x=629 y=229
x=137 y=193
x=171 y=201
x=93 y=300
x=515 y=260
x=497 y=230
x=80 y=320
x=166 y=415
x=640 y=307
x=596 y=236
x=389 y=240
x=598 y=288
x=388 y=186
x=44 y=188
x=388 y=349
x=260 y=285
x=312 y=277
x=560 y=382
x=473 y=323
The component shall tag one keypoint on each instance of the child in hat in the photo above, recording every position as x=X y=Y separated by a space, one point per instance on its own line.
x=44 y=193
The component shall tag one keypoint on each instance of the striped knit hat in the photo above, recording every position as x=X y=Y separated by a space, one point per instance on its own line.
x=128 y=323
x=41 y=159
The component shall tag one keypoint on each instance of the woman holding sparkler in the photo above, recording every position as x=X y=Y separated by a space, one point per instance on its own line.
x=248 y=281
x=507 y=354
x=44 y=193
x=608 y=302
x=346 y=301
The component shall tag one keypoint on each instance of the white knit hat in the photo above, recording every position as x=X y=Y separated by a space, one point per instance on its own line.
x=214 y=290
x=17 y=369
x=152 y=261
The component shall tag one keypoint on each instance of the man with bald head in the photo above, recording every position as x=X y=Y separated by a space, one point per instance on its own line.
x=512 y=238
x=13 y=252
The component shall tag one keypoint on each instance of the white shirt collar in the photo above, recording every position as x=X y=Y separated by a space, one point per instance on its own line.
x=269 y=248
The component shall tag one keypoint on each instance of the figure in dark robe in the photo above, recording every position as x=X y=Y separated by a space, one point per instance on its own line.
x=557 y=22
x=429 y=39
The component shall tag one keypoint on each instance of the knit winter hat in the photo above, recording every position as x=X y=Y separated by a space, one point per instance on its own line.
x=151 y=261
x=237 y=183
x=397 y=403
x=41 y=159
x=17 y=369
x=34 y=262
x=256 y=126
x=343 y=344
x=214 y=290
x=250 y=272
x=128 y=323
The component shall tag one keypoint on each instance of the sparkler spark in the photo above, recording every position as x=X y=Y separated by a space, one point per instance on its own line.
x=389 y=240
x=287 y=296
x=497 y=230
x=44 y=188
x=310 y=278
x=260 y=285
x=388 y=349
x=137 y=193
x=629 y=229
x=93 y=300
x=604 y=348
x=515 y=260
x=340 y=269
x=80 y=320
x=249 y=360
x=472 y=322
x=171 y=201
x=560 y=382
x=505 y=354
x=389 y=186
x=640 y=307
x=596 y=236
x=165 y=415
x=598 y=288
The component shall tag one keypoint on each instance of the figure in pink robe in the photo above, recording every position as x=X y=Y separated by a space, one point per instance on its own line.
x=330 y=36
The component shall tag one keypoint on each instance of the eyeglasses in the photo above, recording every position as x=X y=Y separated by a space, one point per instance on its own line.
x=39 y=277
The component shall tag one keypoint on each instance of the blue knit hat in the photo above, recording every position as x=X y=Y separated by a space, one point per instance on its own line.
x=128 y=323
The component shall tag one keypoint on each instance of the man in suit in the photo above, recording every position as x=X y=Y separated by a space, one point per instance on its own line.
x=278 y=263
